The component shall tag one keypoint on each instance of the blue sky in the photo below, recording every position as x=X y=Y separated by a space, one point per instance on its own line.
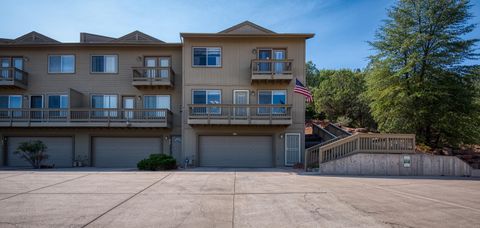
x=342 y=27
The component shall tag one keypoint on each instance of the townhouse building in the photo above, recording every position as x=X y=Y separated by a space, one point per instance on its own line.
x=216 y=99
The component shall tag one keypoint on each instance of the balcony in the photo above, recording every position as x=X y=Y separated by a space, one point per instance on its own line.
x=152 y=77
x=272 y=70
x=232 y=114
x=12 y=77
x=151 y=118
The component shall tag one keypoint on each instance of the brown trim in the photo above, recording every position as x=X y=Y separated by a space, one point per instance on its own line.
x=229 y=35
x=177 y=45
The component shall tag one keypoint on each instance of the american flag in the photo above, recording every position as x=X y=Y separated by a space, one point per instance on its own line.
x=301 y=89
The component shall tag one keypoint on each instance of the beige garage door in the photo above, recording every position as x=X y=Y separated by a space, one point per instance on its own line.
x=236 y=151
x=59 y=150
x=123 y=152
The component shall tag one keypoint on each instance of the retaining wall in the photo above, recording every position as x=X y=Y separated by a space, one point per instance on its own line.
x=378 y=164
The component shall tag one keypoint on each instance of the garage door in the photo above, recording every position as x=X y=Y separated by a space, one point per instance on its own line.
x=59 y=150
x=123 y=152
x=236 y=151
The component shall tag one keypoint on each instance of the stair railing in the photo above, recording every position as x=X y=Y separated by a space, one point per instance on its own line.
x=359 y=143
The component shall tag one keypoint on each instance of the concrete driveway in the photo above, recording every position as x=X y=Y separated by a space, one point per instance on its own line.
x=232 y=198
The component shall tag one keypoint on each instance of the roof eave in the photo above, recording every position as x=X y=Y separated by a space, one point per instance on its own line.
x=275 y=35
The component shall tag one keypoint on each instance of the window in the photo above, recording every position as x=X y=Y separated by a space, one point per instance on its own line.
x=11 y=101
x=210 y=97
x=61 y=64
x=156 y=102
x=104 y=64
x=104 y=102
x=207 y=56
x=57 y=102
x=272 y=97
x=157 y=67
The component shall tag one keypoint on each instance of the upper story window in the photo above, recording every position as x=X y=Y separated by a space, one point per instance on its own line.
x=57 y=101
x=207 y=56
x=63 y=64
x=157 y=66
x=156 y=102
x=104 y=64
x=11 y=101
x=272 y=97
x=207 y=97
x=7 y=62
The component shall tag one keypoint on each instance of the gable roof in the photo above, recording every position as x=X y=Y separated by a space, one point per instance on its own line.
x=34 y=38
x=137 y=37
x=94 y=38
x=5 y=41
x=247 y=27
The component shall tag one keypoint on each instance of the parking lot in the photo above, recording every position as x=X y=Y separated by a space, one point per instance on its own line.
x=232 y=198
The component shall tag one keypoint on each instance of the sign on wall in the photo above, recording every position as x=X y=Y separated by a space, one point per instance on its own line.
x=407 y=161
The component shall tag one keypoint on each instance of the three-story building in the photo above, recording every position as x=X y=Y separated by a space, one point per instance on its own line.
x=217 y=99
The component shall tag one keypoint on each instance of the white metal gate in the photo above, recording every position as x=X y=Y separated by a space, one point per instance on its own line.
x=292 y=148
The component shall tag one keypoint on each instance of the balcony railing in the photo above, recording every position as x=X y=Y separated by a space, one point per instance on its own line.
x=85 y=117
x=13 y=77
x=272 y=69
x=236 y=114
x=152 y=76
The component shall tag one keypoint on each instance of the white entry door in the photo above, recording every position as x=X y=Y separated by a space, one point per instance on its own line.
x=241 y=98
x=292 y=148
x=128 y=103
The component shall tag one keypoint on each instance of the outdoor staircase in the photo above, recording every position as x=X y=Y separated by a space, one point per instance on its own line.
x=347 y=145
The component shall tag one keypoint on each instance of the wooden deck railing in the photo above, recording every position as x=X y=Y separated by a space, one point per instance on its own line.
x=240 y=112
x=13 y=74
x=73 y=115
x=359 y=143
x=153 y=74
x=272 y=66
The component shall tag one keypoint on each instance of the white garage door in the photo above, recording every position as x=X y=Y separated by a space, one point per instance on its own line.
x=59 y=150
x=236 y=151
x=123 y=152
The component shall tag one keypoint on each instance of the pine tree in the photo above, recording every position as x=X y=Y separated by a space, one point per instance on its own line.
x=417 y=82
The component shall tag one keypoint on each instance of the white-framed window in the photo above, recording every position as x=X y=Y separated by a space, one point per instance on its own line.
x=207 y=56
x=11 y=101
x=156 y=102
x=61 y=64
x=58 y=103
x=102 y=101
x=104 y=64
x=211 y=97
x=272 y=97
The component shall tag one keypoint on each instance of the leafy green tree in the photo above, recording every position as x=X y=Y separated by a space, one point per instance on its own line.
x=312 y=74
x=34 y=152
x=340 y=95
x=416 y=81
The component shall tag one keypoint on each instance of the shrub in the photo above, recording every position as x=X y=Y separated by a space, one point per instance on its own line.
x=157 y=162
x=34 y=152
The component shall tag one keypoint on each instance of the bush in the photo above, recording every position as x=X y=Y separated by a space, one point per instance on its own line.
x=157 y=162
x=34 y=152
